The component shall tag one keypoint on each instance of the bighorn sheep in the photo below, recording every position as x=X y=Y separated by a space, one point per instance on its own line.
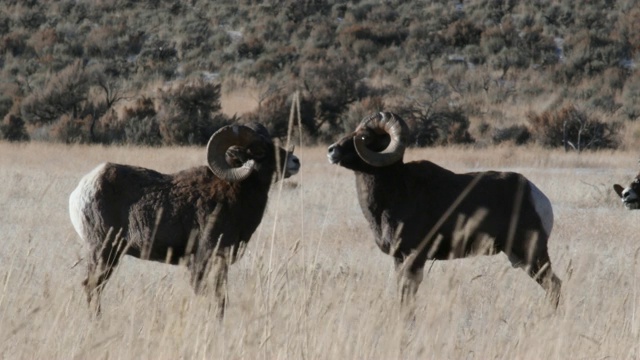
x=629 y=195
x=420 y=211
x=202 y=216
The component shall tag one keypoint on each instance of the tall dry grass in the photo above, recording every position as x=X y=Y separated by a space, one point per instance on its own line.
x=313 y=285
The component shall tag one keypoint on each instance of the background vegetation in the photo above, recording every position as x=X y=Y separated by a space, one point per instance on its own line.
x=480 y=71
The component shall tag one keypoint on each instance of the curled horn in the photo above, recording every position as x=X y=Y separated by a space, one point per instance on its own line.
x=388 y=123
x=218 y=144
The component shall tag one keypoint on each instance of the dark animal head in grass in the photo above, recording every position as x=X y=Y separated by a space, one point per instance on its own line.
x=629 y=195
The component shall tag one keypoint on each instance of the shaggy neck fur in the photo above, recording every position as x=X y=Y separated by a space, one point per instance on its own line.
x=379 y=190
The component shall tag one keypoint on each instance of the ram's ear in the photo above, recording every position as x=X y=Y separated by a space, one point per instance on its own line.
x=618 y=189
x=236 y=156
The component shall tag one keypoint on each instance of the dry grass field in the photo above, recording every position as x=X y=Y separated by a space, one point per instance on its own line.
x=312 y=284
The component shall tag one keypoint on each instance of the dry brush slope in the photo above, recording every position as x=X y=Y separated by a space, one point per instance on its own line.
x=312 y=284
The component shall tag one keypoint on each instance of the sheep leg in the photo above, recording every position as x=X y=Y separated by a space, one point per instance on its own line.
x=99 y=269
x=543 y=274
x=93 y=286
x=90 y=284
x=540 y=270
x=199 y=271
x=409 y=278
x=220 y=268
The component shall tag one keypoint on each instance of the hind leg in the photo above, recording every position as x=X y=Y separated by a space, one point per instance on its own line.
x=100 y=268
x=543 y=274
x=540 y=270
x=94 y=283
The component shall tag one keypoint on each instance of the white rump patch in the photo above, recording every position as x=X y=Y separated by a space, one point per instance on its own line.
x=543 y=207
x=81 y=198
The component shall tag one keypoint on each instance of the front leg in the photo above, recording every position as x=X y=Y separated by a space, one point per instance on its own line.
x=388 y=235
x=409 y=276
x=220 y=268
x=212 y=255
x=199 y=270
x=199 y=266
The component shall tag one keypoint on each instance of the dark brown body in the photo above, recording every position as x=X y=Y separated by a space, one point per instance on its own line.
x=161 y=213
x=420 y=211
x=406 y=206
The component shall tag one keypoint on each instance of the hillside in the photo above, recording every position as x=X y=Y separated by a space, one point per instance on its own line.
x=155 y=72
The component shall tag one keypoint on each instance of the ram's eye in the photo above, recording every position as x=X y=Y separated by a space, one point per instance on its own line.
x=236 y=156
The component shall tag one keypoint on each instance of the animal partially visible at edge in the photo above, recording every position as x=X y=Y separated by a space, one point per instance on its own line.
x=630 y=196
x=420 y=211
x=202 y=216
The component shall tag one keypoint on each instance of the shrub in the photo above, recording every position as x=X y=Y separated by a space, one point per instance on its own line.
x=107 y=84
x=32 y=18
x=43 y=41
x=274 y=113
x=493 y=40
x=297 y=10
x=12 y=129
x=605 y=102
x=359 y=110
x=331 y=85
x=187 y=112
x=5 y=23
x=6 y=104
x=14 y=43
x=517 y=134
x=158 y=57
x=425 y=46
x=434 y=120
x=250 y=48
x=365 y=49
x=268 y=65
x=134 y=42
x=539 y=47
x=559 y=15
x=442 y=127
x=101 y=42
x=63 y=93
x=69 y=129
x=321 y=36
x=462 y=33
x=474 y=55
x=142 y=131
x=510 y=58
x=452 y=127
x=380 y=34
x=572 y=128
x=140 y=125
